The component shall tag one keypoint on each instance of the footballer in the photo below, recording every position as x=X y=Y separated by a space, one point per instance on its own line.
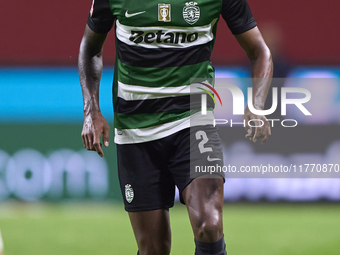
x=160 y=47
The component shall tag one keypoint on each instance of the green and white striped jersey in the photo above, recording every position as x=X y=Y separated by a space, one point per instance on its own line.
x=161 y=46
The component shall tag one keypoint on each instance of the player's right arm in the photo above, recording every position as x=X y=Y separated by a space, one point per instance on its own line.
x=90 y=68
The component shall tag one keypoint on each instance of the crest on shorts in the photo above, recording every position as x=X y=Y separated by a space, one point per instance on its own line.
x=129 y=194
x=164 y=12
x=191 y=12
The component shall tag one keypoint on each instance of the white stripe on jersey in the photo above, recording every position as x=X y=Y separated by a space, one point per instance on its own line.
x=133 y=92
x=140 y=135
x=205 y=35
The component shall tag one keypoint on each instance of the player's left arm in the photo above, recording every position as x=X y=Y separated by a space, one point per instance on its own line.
x=261 y=66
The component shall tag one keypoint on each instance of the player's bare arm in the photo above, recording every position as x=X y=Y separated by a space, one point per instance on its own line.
x=261 y=71
x=90 y=67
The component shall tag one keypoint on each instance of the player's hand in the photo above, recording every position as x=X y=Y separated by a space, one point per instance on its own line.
x=254 y=134
x=94 y=126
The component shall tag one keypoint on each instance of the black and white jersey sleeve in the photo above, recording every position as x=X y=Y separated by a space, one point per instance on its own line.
x=100 y=18
x=238 y=16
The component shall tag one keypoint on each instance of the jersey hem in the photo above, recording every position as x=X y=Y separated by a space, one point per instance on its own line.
x=131 y=136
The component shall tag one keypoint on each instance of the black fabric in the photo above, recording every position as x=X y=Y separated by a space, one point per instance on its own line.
x=238 y=16
x=152 y=169
x=143 y=166
x=169 y=104
x=162 y=57
x=216 y=248
x=100 y=18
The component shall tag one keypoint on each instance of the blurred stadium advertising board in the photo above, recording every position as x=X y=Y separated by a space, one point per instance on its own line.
x=41 y=152
x=42 y=158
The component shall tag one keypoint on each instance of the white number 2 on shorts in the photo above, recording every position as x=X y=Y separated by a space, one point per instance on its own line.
x=203 y=135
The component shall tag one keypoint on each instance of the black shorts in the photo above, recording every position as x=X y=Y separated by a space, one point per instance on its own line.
x=149 y=171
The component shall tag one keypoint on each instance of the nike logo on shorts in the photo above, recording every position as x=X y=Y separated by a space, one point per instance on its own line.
x=129 y=15
x=213 y=159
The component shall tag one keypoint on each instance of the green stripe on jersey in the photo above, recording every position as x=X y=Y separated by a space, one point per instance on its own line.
x=163 y=77
x=145 y=120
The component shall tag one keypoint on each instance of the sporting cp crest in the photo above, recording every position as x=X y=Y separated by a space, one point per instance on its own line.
x=129 y=193
x=191 y=12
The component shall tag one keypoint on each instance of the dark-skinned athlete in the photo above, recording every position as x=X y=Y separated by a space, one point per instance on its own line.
x=160 y=47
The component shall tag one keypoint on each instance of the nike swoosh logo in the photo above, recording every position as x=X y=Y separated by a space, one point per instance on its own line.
x=213 y=159
x=129 y=15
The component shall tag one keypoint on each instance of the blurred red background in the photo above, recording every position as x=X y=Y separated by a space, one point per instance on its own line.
x=49 y=32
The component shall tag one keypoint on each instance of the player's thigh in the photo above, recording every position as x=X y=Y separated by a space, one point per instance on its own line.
x=203 y=194
x=204 y=200
x=152 y=229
